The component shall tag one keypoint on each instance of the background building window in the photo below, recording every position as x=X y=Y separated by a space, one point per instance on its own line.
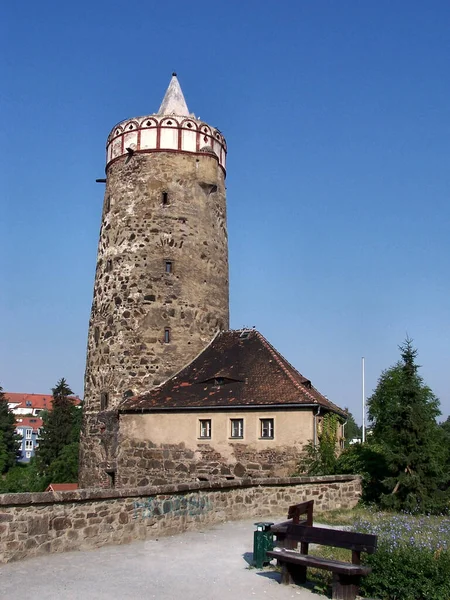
x=237 y=428
x=267 y=428
x=205 y=428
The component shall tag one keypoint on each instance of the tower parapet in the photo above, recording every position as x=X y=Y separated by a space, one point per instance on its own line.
x=171 y=129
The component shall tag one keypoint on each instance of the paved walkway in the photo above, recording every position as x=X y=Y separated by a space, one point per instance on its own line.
x=199 y=565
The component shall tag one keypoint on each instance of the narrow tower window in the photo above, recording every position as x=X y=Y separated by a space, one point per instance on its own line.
x=169 y=266
x=166 y=335
x=107 y=203
x=111 y=478
x=165 y=198
x=96 y=334
x=104 y=400
x=109 y=265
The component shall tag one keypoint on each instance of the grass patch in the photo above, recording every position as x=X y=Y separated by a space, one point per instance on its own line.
x=345 y=516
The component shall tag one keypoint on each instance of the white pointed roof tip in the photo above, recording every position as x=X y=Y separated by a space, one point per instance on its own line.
x=173 y=102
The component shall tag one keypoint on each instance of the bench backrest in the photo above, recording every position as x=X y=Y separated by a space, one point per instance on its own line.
x=358 y=542
x=303 y=508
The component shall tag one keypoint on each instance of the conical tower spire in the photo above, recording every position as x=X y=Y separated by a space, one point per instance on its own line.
x=173 y=102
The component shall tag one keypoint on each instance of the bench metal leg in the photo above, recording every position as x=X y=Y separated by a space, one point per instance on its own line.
x=292 y=573
x=345 y=587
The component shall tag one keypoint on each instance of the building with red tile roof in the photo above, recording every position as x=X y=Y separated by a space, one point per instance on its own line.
x=26 y=408
x=61 y=487
x=29 y=429
x=31 y=404
x=238 y=409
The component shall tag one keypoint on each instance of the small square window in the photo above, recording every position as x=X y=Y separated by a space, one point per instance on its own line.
x=28 y=454
x=169 y=266
x=166 y=335
x=267 y=428
x=205 y=428
x=237 y=428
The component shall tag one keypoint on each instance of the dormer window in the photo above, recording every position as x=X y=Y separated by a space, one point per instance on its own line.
x=219 y=380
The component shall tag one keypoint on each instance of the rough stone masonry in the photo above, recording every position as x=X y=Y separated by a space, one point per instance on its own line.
x=40 y=523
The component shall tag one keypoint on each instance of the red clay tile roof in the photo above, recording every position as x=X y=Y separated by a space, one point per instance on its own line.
x=237 y=369
x=61 y=487
x=33 y=422
x=42 y=401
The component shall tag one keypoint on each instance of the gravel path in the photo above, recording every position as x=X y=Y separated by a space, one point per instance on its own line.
x=199 y=565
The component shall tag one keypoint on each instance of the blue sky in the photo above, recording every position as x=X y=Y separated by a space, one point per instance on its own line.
x=338 y=126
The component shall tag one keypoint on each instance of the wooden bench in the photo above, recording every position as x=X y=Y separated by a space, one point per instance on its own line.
x=294 y=513
x=346 y=576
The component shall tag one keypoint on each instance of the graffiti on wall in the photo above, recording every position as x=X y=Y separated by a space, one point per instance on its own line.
x=190 y=505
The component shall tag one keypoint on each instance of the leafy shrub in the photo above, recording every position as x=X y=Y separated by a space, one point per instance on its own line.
x=368 y=461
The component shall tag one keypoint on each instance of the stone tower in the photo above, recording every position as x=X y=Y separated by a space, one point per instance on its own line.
x=161 y=283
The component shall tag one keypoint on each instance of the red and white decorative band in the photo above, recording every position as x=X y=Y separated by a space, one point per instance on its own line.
x=155 y=132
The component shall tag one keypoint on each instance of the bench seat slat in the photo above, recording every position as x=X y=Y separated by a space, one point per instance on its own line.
x=317 y=562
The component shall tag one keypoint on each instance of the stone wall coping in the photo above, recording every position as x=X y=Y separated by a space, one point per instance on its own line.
x=86 y=495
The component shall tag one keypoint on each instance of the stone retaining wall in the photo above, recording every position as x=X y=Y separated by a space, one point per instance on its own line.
x=33 y=524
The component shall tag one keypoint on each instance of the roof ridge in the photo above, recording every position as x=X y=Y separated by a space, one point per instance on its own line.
x=280 y=361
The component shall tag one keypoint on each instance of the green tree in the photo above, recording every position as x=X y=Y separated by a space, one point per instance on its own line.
x=367 y=460
x=403 y=412
x=320 y=459
x=352 y=430
x=60 y=437
x=9 y=440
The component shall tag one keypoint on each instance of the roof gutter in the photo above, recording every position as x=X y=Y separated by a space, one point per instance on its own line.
x=217 y=407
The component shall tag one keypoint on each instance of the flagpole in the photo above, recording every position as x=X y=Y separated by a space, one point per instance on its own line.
x=363 y=403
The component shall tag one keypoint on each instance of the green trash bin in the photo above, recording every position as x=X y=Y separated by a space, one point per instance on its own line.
x=262 y=541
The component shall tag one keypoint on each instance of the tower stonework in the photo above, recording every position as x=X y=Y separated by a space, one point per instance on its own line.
x=161 y=282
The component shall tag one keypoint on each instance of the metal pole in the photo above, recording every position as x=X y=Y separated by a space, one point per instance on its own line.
x=363 y=404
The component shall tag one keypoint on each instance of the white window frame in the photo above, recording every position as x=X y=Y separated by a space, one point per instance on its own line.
x=267 y=428
x=205 y=429
x=28 y=444
x=28 y=454
x=28 y=434
x=237 y=428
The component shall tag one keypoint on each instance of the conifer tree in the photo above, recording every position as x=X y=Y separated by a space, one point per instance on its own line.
x=403 y=411
x=60 y=431
x=9 y=440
